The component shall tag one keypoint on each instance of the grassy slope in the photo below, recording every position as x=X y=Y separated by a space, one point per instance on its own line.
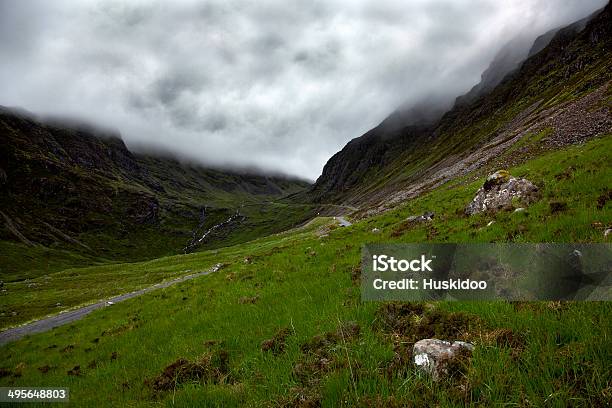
x=304 y=283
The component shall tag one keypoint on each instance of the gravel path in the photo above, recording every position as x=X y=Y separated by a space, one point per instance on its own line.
x=70 y=316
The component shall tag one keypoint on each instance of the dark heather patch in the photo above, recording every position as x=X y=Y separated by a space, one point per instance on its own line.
x=276 y=345
x=209 y=368
x=76 y=371
x=68 y=348
x=132 y=323
x=248 y=300
x=416 y=321
x=301 y=397
x=356 y=274
x=603 y=199
x=321 y=354
x=378 y=401
x=557 y=207
x=44 y=369
x=508 y=338
x=211 y=343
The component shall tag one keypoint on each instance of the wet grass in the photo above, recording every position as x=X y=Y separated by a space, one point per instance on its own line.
x=308 y=308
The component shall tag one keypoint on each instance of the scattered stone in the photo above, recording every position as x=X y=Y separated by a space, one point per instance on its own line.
x=607 y=232
x=490 y=223
x=248 y=260
x=499 y=192
x=58 y=304
x=440 y=358
x=520 y=209
x=216 y=267
x=426 y=216
x=375 y=230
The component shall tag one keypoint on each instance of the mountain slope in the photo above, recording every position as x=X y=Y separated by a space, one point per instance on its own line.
x=562 y=90
x=79 y=189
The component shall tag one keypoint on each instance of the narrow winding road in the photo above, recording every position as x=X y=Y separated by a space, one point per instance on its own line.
x=70 y=316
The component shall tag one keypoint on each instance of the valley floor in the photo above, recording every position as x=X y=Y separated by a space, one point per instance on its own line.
x=283 y=324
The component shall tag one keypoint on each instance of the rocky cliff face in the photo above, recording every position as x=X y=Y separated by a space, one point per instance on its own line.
x=563 y=68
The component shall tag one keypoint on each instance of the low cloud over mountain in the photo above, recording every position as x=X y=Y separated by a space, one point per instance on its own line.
x=268 y=84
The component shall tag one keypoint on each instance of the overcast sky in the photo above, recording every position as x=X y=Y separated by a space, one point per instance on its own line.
x=280 y=85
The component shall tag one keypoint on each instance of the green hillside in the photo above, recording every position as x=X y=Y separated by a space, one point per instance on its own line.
x=74 y=195
x=300 y=290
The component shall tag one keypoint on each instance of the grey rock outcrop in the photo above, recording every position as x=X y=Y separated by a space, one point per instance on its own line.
x=499 y=191
x=435 y=357
x=427 y=216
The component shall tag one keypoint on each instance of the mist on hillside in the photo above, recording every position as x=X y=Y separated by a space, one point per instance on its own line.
x=266 y=85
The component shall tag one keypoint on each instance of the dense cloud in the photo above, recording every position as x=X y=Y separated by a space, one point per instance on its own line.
x=271 y=84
